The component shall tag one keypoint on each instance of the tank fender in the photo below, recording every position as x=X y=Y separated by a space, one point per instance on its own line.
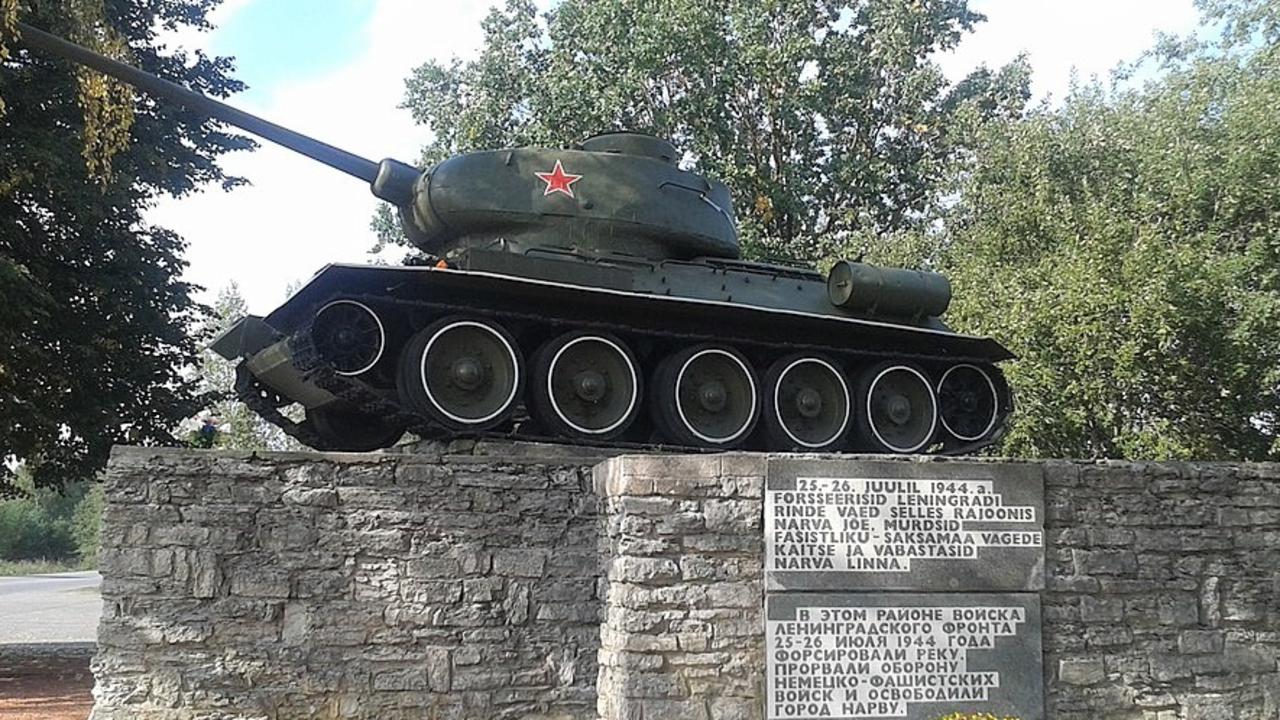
x=247 y=336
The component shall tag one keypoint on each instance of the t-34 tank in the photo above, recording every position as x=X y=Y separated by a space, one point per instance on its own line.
x=596 y=294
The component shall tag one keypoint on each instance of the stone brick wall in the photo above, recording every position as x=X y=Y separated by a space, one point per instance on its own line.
x=446 y=585
x=482 y=582
x=1163 y=599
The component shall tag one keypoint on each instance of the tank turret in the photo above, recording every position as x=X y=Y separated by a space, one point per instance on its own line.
x=595 y=294
x=618 y=192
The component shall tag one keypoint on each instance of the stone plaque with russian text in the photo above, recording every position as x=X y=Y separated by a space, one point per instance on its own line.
x=913 y=656
x=877 y=525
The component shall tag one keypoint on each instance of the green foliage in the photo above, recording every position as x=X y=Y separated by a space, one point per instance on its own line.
x=86 y=523
x=31 y=529
x=94 y=315
x=50 y=525
x=826 y=120
x=8 y=26
x=106 y=104
x=1126 y=246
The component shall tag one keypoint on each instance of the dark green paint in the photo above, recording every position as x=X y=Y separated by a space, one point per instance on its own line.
x=623 y=203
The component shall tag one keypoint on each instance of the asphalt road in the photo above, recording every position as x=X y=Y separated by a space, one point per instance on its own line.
x=50 y=608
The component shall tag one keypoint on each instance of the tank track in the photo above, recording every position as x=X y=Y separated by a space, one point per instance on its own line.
x=358 y=395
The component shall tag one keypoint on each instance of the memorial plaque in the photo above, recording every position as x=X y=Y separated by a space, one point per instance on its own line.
x=877 y=525
x=857 y=656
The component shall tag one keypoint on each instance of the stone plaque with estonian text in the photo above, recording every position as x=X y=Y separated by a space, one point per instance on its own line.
x=876 y=525
x=858 y=656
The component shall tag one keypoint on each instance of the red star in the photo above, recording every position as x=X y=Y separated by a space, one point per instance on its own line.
x=558 y=181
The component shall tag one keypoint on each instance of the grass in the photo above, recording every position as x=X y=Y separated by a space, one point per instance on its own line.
x=9 y=568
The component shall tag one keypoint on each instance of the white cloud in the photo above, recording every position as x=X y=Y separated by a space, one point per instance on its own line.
x=1091 y=36
x=299 y=215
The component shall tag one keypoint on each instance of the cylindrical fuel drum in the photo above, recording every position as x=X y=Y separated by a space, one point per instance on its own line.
x=888 y=292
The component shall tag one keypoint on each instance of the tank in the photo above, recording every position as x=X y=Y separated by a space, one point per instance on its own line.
x=595 y=294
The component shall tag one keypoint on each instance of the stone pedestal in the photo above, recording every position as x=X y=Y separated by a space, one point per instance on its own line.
x=498 y=580
x=684 y=585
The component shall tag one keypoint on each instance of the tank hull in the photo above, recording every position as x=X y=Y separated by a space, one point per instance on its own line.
x=655 y=309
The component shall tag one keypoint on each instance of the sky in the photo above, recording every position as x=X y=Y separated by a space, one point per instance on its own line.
x=335 y=69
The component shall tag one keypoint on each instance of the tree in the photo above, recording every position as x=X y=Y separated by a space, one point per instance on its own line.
x=239 y=428
x=1126 y=245
x=94 y=317
x=827 y=120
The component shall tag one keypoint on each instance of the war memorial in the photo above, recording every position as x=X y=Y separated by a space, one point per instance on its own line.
x=745 y=491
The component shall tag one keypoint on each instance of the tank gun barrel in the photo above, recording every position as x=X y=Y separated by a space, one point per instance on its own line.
x=396 y=177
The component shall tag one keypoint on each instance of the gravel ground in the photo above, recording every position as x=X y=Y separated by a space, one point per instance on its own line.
x=46 y=682
x=47 y=627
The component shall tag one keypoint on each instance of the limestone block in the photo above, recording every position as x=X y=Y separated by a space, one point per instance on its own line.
x=481 y=678
x=311 y=497
x=439 y=670
x=1105 y=562
x=432 y=568
x=1081 y=671
x=259 y=582
x=659 y=507
x=515 y=562
x=644 y=570
x=1208 y=707
x=516 y=603
x=1200 y=642
x=430 y=592
x=733 y=515
x=481 y=589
